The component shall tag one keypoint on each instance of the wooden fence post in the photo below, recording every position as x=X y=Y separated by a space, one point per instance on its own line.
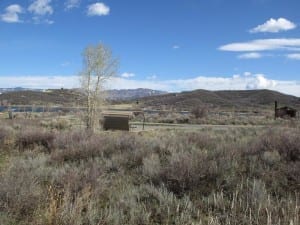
x=10 y=114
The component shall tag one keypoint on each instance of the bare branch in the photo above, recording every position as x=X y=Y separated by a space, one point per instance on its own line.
x=98 y=67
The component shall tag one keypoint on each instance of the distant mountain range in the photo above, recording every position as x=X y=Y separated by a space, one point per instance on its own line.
x=132 y=94
x=240 y=100
x=5 y=90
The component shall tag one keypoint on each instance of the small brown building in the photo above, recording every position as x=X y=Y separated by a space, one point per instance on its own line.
x=116 y=121
x=285 y=112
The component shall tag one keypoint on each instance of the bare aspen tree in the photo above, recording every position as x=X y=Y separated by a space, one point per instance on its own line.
x=99 y=66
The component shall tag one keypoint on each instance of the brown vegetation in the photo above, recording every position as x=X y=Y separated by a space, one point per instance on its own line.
x=62 y=97
x=228 y=176
x=241 y=100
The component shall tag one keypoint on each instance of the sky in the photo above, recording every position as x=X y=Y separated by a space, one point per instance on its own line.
x=170 y=45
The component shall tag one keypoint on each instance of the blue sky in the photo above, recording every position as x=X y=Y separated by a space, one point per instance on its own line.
x=172 y=45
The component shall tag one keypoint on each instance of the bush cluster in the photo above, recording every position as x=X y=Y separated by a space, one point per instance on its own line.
x=31 y=138
x=227 y=176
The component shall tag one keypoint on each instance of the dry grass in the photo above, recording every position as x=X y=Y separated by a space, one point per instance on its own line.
x=213 y=177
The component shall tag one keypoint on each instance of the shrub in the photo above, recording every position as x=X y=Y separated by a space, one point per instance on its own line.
x=74 y=177
x=274 y=157
x=286 y=142
x=3 y=135
x=28 y=139
x=146 y=204
x=6 y=136
x=199 y=112
x=20 y=191
x=249 y=203
x=211 y=176
x=60 y=124
x=151 y=166
x=186 y=172
x=81 y=149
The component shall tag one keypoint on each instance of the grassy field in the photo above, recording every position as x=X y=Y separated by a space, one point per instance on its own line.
x=54 y=172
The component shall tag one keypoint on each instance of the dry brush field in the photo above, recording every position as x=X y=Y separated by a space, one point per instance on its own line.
x=54 y=174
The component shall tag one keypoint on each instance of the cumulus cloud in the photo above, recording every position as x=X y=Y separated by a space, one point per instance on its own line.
x=127 y=75
x=70 y=4
x=263 y=45
x=259 y=81
x=40 y=10
x=251 y=55
x=41 y=7
x=274 y=26
x=236 y=82
x=245 y=81
x=295 y=56
x=11 y=14
x=98 y=9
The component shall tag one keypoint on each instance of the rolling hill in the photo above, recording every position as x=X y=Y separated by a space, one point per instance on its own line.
x=63 y=97
x=67 y=97
x=241 y=100
x=237 y=99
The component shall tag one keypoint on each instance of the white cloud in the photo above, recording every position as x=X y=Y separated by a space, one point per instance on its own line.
x=70 y=4
x=251 y=55
x=11 y=14
x=247 y=74
x=42 y=82
x=295 y=56
x=41 y=20
x=253 y=81
x=263 y=45
x=41 y=7
x=127 y=75
x=274 y=26
x=260 y=82
x=152 y=77
x=49 y=21
x=176 y=47
x=98 y=9
x=65 y=64
x=236 y=82
x=121 y=83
